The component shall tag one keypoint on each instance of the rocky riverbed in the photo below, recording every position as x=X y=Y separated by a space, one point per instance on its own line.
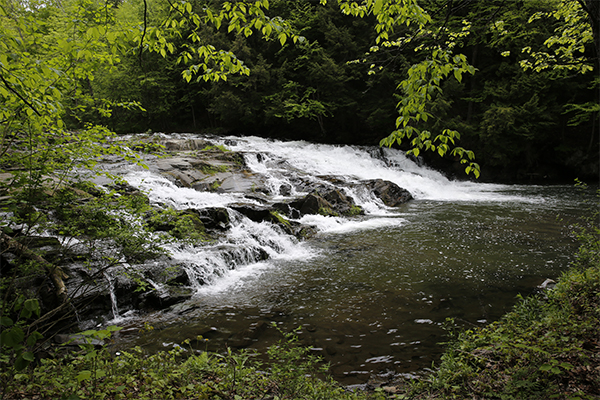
x=94 y=279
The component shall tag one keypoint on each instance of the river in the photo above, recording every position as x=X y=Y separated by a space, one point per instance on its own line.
x=370 y=293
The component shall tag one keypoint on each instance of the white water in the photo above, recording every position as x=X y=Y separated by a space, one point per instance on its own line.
x=358 y=163
x=372 y=290
x=237 y=255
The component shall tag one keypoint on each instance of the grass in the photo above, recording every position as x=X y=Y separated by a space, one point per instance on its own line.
x=182 y=373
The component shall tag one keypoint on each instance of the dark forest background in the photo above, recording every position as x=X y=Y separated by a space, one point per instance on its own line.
x=523 y=126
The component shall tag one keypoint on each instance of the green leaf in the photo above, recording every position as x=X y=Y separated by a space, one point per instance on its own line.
x=457 y=74
x=566 y=365
x=32 y=306
x=12 y=337
x=113 y=328
x=545 y=367
x=377 y=7
x=33 y=338
x=21 y=363
x=5 y=321
x=84 y=376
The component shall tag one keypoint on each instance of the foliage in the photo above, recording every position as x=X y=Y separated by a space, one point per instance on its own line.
x=182 y=372
x=16 y=340
x=567 y=47
x=337 y=85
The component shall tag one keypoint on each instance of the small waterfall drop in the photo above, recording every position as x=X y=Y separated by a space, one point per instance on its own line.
x=113 y=296
x=372 y=289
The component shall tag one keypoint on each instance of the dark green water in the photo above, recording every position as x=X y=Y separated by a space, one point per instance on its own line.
x=373 y=301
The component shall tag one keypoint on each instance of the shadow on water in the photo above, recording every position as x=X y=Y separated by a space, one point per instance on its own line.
x=373 y=301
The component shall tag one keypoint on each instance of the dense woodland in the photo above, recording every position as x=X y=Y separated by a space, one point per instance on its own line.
x=520 y=124
x=501 y=90
x=525 y=99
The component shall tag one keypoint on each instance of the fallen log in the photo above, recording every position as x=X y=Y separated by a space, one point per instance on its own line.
x=55 y=273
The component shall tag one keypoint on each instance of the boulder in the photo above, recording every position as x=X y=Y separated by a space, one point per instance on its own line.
x=161 y=299
x=311 y=204
x=255 y=213
x=326 y=202
x=213 y=218
x=391 y=194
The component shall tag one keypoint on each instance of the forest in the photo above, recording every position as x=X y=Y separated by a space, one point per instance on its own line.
x=516 y=80
x=490 y=91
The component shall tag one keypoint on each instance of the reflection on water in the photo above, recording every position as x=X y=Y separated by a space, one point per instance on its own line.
x=372 y=301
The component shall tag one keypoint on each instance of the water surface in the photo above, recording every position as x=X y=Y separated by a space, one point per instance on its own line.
x=371 y=293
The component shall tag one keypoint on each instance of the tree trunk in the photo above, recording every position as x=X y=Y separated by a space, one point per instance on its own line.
x=55 y=273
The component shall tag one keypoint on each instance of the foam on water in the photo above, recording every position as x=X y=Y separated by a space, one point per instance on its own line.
x=357 y=163
x=327 y=224
x=162 y=191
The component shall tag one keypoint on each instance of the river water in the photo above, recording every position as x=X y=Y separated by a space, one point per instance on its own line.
x=371 y=293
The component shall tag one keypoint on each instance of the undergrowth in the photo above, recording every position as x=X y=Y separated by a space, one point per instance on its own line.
x=181 y=373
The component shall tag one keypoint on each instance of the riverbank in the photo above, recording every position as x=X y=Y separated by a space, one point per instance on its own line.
x=547 y=347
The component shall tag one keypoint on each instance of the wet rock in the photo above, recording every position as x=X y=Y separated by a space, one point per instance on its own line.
x=160 y=299
x=213 y=218
x=342 y=204
x=326 y=202
x=391 y=194
x=181 y=278
x=243 y=182
x=255 y=213
x=311 y=204
x=285 y=189
x=186 y=144
x=210 y=169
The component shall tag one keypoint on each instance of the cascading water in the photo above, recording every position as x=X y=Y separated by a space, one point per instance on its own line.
x=371 y=291
x=113 y=296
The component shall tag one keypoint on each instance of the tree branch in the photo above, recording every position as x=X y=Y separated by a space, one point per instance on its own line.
x=19 y=96
x=144 y=32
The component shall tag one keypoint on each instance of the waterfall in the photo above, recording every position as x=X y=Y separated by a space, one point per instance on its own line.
x=371 y=289
x=113 y=296
x=287 y=171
